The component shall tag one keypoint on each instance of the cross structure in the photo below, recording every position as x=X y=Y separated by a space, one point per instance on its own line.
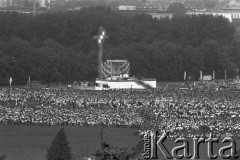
x=100 y=40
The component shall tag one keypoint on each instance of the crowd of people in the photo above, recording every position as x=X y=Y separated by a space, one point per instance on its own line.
x=182 y=111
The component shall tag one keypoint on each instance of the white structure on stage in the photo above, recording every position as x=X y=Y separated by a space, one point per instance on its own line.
x=114 y=74
x=126 y=83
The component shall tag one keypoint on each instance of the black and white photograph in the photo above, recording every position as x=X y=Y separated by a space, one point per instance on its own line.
x=119 y=79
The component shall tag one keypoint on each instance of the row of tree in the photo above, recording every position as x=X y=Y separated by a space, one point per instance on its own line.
x=60 y=150
x=59 y=47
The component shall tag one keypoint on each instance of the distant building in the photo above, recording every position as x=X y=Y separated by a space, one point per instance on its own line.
x=17 y=3
x=44 y=3
x=229 y=13
x=48 y=3
x=9 y=3
x=224 y=14
x=3 y=3
x=235 y=15
x=160 y=5
x=6 y=3
x=161 y=15
x=127 y=7
x=53 y=1
x=179 y=1
x=234 y=11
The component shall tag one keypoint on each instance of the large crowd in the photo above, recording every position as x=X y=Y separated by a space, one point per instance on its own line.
x=187 y=112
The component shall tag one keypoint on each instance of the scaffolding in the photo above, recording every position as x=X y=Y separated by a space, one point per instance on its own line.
x=33 y=84
x=115 y=68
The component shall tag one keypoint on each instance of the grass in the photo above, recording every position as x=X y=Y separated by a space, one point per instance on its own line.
x=31 y=142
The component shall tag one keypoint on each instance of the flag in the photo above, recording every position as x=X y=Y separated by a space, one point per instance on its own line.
x=185 y=74
x=10 y=81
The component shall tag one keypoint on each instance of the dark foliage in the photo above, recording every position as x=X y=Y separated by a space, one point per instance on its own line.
x=2 y=157
x=177 y=8
x=59 y=148
x=59 y=46
x=108 y=152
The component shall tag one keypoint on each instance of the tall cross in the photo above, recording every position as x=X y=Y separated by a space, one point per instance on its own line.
x=100 y=39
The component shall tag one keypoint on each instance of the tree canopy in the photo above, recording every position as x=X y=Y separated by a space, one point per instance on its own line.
x=59 y=46
x=59 y=148
x=177 y=8
x=108 y=152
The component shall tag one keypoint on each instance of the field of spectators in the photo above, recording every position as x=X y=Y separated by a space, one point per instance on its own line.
x=194 y=111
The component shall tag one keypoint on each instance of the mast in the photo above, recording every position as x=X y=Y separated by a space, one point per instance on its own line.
x=100 y=40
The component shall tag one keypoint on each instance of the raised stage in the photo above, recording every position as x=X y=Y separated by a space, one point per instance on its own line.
x=114 y=74
x=123 y=83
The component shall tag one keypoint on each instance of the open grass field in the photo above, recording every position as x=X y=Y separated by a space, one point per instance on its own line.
x=31 y=142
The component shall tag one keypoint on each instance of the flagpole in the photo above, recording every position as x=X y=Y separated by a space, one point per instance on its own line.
x=10 y=85
x=201 y=75
x=213 y=75
x=10 y=82
x=9 y=89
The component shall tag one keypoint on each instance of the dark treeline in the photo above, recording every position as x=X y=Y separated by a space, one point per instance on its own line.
x=59 y=47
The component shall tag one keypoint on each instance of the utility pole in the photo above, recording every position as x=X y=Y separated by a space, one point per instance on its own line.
x=100 y=38
x=10 y=85
x=213 y=75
